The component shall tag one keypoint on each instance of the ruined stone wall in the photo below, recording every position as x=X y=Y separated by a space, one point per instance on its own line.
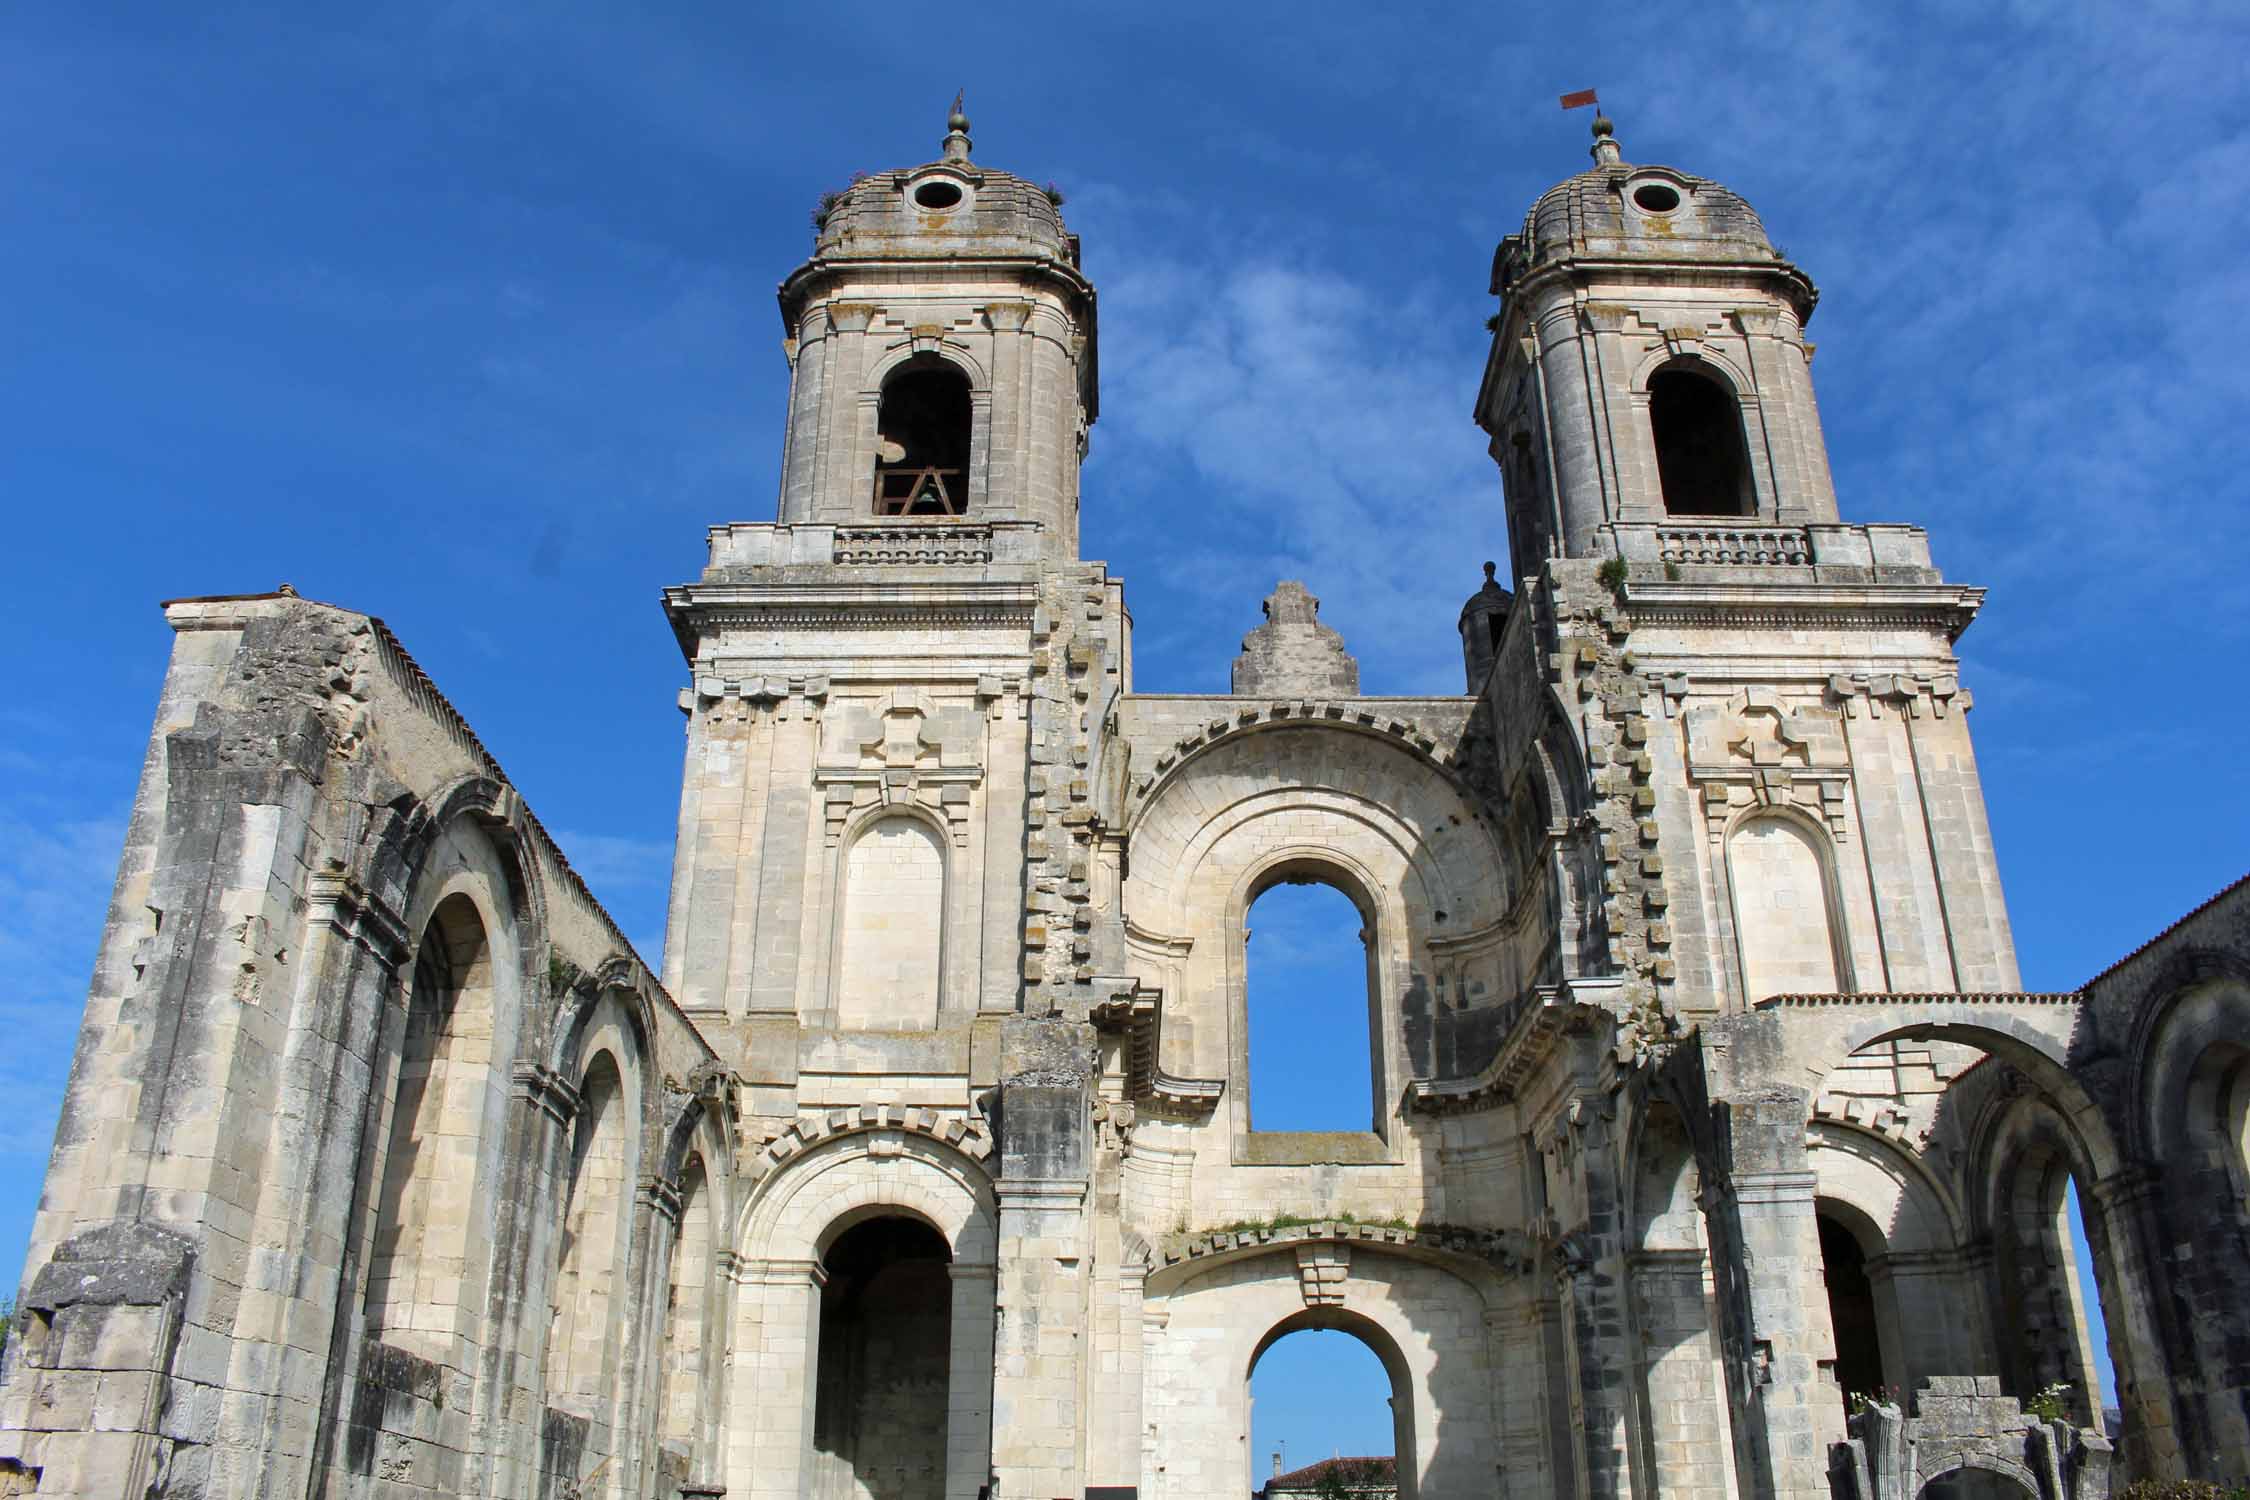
x=195 y=1308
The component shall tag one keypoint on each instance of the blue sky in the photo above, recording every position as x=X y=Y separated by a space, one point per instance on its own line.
x=461 y=314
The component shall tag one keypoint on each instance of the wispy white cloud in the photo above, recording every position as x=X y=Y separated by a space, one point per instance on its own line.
x=609 y=861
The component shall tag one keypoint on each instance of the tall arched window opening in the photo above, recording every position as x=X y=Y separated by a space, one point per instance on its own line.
x=2040 y=1295
x=886 y=1331
x=1784 y=928
x=1310 y=976
x=687 y=1327
x=579 y=1364
x=1702 y=461
x=1851 y=1310
x=1328 y=1415
x=922 y=441
x=891 y=937
x=2089 y=1296
x=421 y=1244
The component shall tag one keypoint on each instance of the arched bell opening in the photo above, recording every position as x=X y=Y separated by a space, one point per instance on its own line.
x=1702 y=460
x=886 y=1334
x=922 y=441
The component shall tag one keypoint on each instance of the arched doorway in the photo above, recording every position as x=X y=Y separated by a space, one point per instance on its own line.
x=1321 y=1414
x=1344 y=1344
x=886 y=1331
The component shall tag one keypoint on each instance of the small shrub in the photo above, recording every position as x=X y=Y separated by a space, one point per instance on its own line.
x=1611 y=576
x=2050 y=1403
x=1054 y=194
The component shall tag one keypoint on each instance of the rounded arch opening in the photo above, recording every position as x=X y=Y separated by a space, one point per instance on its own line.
x=923 y=427
x=1848 y=1243
x=2195 y=1088
x=1702 y=458
x=1310 y=976
x=422 y=1245
x=1331 y=1407
x=580 y=1358
x=1975 y=1482
x=2049 y=1273
x=886 y=1333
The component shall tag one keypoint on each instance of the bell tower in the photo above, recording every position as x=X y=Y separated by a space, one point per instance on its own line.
x=1650 y=364
x=941 y=343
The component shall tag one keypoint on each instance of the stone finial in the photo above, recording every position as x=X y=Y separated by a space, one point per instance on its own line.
x=1293 y=654
x=1607 y=153
x=956 y=145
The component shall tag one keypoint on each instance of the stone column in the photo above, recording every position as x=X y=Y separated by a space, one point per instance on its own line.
x=969 y=1380
x=648 y=1329
x=1045 y=1127
x=1683 y=1422
x=1766 y=1247
x=1037 y=1340
x=1566 y=374
x=1591 y=1281
x=1930 y=1310
x=2123 y=1215
x=776 y=1381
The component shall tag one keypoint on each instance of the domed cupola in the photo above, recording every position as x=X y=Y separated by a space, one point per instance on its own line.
x=942 y=347
x=950 y=207
x=1657 y=214
x=1648 y=367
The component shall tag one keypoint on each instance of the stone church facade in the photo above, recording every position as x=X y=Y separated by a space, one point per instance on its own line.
x=1703 y=1093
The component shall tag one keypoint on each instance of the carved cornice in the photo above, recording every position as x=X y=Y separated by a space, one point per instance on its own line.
x=546 y=1089
x=1136 y=1011
x=1946 y=608
x=1504 y=1250
x=1924 y=997
x=1544 y=1016
x=341 y=904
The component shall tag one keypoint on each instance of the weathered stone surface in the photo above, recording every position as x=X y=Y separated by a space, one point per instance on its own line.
x=1292 y=654
x=1700 y=1092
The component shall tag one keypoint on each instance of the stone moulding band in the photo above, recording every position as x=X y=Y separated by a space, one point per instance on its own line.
x=1924 y=997
x=1505 y=1250
x=1543 y=1017
x=970 y=1137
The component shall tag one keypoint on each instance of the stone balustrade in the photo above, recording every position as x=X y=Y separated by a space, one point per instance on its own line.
x=919 y=542
x=1821 y=546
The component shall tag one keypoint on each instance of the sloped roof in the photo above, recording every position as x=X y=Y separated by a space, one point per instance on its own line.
x=1360 y=1474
